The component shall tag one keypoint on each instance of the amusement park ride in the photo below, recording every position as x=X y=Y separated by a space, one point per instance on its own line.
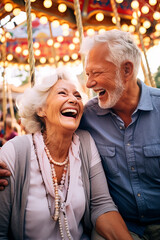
x=50 y=17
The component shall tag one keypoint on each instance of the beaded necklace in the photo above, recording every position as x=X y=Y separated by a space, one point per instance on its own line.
x=58 y=205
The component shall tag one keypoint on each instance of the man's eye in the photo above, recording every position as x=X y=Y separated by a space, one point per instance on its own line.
x=96 y=73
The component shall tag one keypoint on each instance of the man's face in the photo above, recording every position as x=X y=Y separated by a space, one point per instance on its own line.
x=103 y=77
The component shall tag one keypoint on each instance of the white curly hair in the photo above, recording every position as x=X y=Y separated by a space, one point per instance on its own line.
x=34 y=98
x=121 y=45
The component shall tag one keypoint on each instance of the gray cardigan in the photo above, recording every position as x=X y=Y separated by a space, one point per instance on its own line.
x=13 y=199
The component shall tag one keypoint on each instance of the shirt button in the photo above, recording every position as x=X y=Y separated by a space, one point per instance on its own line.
x=128 y=144
x=132 y=168
x=138 y=194
x=120 y=127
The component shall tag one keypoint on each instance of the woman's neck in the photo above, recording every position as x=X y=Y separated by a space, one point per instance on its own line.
x=58 y=143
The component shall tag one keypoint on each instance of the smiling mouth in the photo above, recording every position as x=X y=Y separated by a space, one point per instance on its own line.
x=101 y=93
x=70 y=113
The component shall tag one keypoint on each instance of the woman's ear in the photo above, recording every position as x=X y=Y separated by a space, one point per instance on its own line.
x=41 y=112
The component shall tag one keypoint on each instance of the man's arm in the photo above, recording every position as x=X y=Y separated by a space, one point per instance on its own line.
x=4 y=172
x=111 y=226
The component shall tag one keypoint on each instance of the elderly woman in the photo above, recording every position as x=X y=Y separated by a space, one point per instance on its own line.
x=57 y=189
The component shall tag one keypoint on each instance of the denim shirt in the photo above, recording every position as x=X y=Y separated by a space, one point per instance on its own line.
x=130 y=157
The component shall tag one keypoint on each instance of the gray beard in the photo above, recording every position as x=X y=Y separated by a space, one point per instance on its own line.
x=114 y=96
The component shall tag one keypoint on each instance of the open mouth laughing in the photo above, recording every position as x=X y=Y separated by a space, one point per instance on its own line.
x=69 y=113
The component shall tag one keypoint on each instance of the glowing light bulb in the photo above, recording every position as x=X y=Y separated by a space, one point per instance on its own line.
x=62 y=7
x=55 y=23
x=18 y=49
x=145 y=9
x=72 y=46
x=42 y=60
x=43 y=20
x=152 y=2
x=90 y=32
x=47 y=3
x=37 y=52
x=60 y=39
x=65 y=58
x=142 y=30
x=74 y=56
x=124 y=27
x=16 y=11
x=156 y=15
x=146 y=24
x=135 y=4
x=9 y=57
x=36 y=45
x=50 y=42
x=8 y=7
x=99 y=17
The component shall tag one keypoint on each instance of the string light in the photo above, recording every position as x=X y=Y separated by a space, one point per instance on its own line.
x=131 y=28
x=47 y=3
x=16 y=11
x=152 y=2
x=33 y=16
x=90 y=32
x=119 y=1
x=114 y=19
x=142 y=30
x=36 y=45
x=60 y=39
x=101 y=31
x=134 y=21
x=135 y=4
x=62 y=7
x=146 y=24
x=156 y=15
x=18 y=49
x=145 y=9
x=55 y=23
x=50 y=42
x=37 y=52
x=8 y=7
x=9 y=57
x=124 y=27
x=74 y=56
x=42 y=60
x=99 y=17
x=57 y=45
x=43 y=20
x=72 y=46
x=65 y=58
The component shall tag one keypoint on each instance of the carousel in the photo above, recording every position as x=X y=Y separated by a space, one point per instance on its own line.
x=49 y=32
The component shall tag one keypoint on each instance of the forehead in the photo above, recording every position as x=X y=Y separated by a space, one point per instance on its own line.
x=97 y=55
x=65 y=84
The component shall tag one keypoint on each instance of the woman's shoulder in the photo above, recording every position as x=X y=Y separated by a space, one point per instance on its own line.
x=82 y=133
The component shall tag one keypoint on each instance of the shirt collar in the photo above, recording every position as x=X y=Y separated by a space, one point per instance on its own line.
x=145 y=102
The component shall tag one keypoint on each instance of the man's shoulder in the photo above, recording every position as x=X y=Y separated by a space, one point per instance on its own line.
x=91 y=104
x=154 y=91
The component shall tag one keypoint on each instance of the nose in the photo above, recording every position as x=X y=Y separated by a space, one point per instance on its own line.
x=90 y=82
x=72 y=99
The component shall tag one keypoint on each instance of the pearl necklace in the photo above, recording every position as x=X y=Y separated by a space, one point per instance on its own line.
x=52 y=160
x=57 y=197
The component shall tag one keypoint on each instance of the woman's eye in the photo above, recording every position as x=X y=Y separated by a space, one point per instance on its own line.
x=78 y=96
x=62 y=92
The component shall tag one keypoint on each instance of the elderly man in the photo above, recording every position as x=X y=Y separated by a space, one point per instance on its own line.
x=123 y=120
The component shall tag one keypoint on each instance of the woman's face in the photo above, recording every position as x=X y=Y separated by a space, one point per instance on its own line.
x=64 y=106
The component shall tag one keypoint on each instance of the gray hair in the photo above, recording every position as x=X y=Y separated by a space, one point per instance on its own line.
x=34 y=98
x=121 y=45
